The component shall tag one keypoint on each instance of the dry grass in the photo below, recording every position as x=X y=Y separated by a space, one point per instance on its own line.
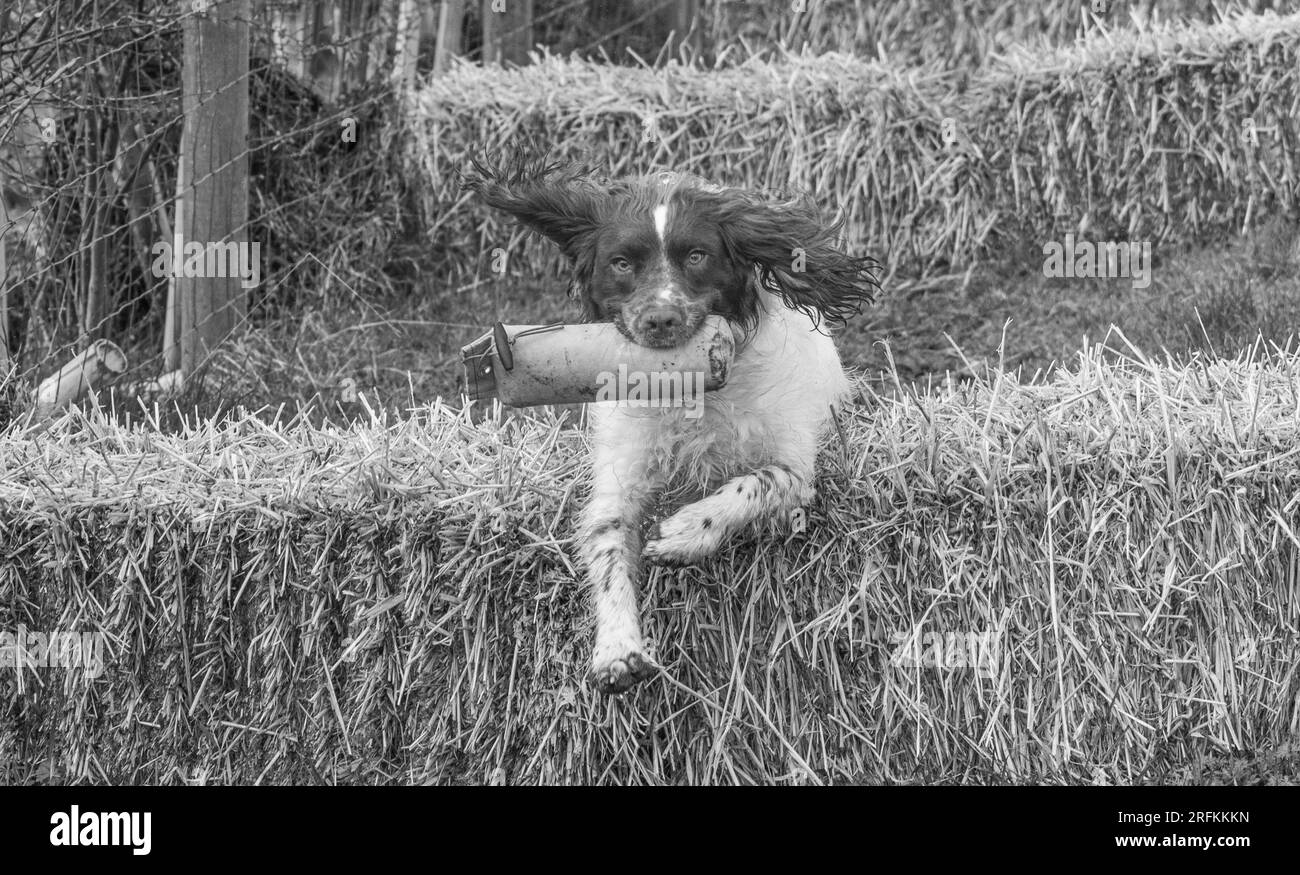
x=397 y=602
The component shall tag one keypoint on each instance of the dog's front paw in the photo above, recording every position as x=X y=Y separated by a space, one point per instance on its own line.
x=612 y=674
x=684 y=538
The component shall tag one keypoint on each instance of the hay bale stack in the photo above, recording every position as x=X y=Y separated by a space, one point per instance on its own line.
x=809 y=122
x=1134 y=131
x=1146 y=134
x=398 y=603
x=954 y=33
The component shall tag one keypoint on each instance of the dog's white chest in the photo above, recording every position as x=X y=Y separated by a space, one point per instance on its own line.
x=778 y=397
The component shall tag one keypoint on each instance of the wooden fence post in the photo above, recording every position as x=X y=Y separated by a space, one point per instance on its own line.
x=213 y=177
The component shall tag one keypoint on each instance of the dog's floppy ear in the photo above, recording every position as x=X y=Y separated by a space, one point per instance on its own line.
x=563 y=205
x=795 y=255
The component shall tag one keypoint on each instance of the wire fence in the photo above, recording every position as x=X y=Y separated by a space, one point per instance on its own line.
x=90 y=151
x=93 y=108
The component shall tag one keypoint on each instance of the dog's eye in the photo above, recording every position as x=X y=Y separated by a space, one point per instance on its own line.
x=620 y=264
x=697 y=256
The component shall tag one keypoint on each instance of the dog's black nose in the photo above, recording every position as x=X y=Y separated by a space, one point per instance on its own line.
x=662 y=319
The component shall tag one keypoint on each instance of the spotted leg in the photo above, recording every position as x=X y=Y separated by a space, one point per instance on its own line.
x=700 y=528
x=610 y=547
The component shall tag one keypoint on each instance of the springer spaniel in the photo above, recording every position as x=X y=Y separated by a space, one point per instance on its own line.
x=656 y=255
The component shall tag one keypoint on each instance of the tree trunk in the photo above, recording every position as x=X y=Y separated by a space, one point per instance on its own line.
x=406 y=44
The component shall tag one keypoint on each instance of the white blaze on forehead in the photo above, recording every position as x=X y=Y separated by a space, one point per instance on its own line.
x=668 y=292
x=661 y=221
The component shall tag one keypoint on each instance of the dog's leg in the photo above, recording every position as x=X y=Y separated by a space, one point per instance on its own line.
x=610 y=546
x=698 y=529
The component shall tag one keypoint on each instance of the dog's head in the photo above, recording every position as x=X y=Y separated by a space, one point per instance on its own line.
x=656 y=254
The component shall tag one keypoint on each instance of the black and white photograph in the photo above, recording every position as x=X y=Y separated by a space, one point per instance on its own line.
x=700 y=393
